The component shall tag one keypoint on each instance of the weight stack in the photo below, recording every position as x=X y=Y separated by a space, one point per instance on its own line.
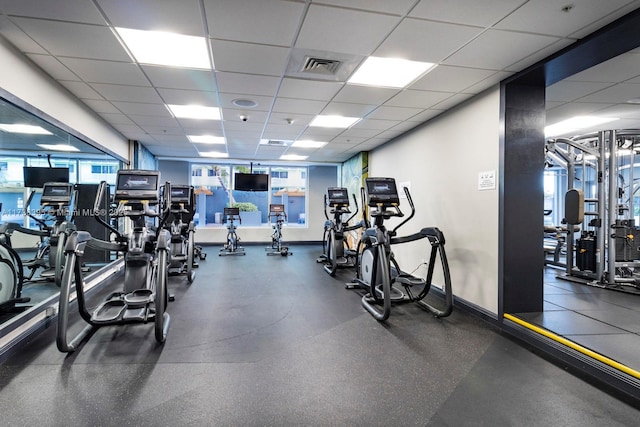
x=586 y=248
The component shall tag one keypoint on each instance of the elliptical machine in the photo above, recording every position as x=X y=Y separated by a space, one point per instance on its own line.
x=144 y=295
x=335 y=246
x=375 y=257
x=277 y=212
x=181 y=205
x=231 y=246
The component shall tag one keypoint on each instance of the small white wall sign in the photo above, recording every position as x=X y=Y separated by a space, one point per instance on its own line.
x=487 y=180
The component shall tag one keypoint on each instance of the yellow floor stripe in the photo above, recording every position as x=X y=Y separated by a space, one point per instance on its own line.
x=577 y=347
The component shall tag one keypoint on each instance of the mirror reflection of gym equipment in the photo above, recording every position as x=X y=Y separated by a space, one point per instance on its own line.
x=231 y=247
x=598 y=236
x=336 y=251
x=144 y=295
x=278 y=215
x=378 y=270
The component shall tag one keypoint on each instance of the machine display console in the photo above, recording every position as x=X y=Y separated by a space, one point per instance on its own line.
x=382 y=191
x=338 y=196
x=231 y=212
x=181 y=194
x=137 y=185
x=56 y=192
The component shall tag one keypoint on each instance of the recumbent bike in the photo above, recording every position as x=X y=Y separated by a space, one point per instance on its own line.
x=144 y=295
x=377 y=270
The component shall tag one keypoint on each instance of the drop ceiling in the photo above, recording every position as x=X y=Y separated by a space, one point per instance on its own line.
x=254 y=42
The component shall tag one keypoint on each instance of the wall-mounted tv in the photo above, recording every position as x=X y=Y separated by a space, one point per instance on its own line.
x=36 y=177
x=251 y=182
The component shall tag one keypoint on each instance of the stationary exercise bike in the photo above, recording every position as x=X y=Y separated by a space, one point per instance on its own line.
x=276 y=211
x=377 y=268
x=231 y=246
x=335 y=246
x=182 y=249
x=144 y=295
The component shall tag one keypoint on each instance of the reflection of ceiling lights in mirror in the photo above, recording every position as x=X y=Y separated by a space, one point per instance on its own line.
x=58 y=147
x=216 y=154
x=575 y=124
x=29 y=129
x=207 y=139
x=194 y=112
x=162 y=48
x=292 y=157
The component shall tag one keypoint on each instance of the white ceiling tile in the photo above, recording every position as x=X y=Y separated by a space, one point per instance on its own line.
x=396 y=7
x=417 y=99
x=247 y=84
x=347 y=109
x=166 y=122
x=298 y=119
x=175 y=141
x=18 y=38
x=490 y=81
x=616 y=70
x=308 y=89
x=320 y=134
x=550 y=19
x=424 y=116
x=249 y=58
x=67 y=10
x=166 y=131
x=127 y=93
x=289 y=105
x=566 y=90
x=428 y=41
x=359 y=132
x=621 y=111
x=599 y=23
x=357 y=94
x=374 y=124
x=282 y=132
x=470 y=12
x=74 y=40
x=101 y=106
x=263 y=102
x=95 y=71
x=495 y=50
x=201 y=125
x=346 y=140
x=267 y=21
x=188 y=97
x=566 y=111
x=52 y=66
x=182 y=17
x=141 y=109
x=117 y=119
x=393 y=113
x=180 y=78
x=344 y=30
x=451 y=79
x=540 y=55
x=622 y=92
x=81 y=90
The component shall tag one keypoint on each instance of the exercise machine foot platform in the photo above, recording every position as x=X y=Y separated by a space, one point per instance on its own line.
x=144 y=295
x=377 y=270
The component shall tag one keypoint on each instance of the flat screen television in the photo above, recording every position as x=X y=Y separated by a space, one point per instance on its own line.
x=251 y=182
x=36 y=177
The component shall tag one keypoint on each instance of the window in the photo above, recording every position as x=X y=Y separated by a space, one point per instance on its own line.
x=288 y=186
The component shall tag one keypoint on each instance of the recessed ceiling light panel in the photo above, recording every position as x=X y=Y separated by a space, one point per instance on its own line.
x=58 y=147
x=333 y=121
x=28 y=129
x=163 y=48
x=308 y=144
x=194 y=112
x=292 y=157
x=389 y=72
x=207 y=139
x=215 y=154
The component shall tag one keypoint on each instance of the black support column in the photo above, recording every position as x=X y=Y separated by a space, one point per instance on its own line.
x=521 y=255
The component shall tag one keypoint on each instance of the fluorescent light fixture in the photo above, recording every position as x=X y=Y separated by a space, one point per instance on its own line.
x=306 y=143
x=216 y=154
x=575 y=124
x=58 y=147
x=389 y=72
x=333 y=121
x=30 y=129
x=194 y=112
x=207 y=139
x=162 y=48
x=292 y=157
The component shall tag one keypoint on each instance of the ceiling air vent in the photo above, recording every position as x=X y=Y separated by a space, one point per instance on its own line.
x=320 y=65
x=276 y=143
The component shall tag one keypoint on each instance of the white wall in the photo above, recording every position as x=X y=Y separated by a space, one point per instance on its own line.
x=26 y=81
x=442 y=161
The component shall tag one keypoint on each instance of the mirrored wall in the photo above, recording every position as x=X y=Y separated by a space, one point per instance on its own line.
x=28 y=142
